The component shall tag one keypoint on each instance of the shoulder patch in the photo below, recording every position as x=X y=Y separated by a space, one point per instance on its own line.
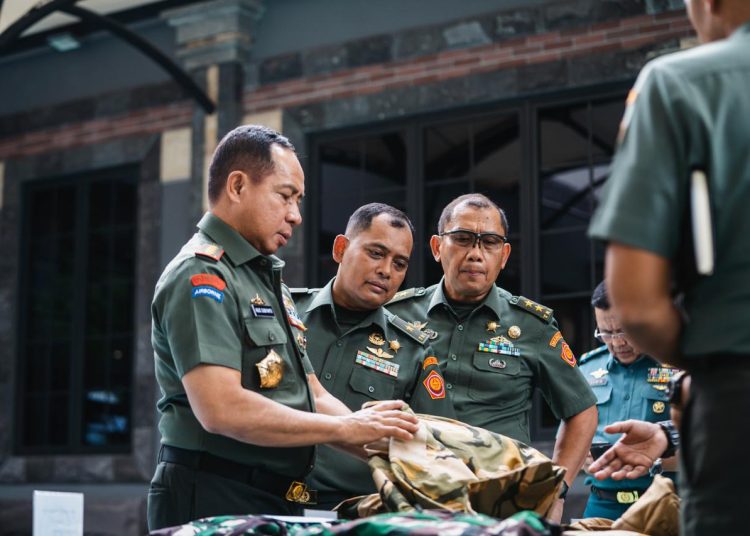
x=596 y=352
x=406 y=294
x=545 y=313
x=409 y=329
x=210 y=251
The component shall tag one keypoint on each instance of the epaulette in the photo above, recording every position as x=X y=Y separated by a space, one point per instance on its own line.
x=408 y=328
x=302 y=290
x=210 y=251
x=406 y=294
x=592 y=353
x=545 y=313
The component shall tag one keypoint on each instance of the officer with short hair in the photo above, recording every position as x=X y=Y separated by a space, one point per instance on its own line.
x=675 y=215
x=627 y=385
x=360 y=351
x=241 y=408
x=495 y=348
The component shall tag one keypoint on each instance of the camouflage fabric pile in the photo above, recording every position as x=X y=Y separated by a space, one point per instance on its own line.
x=461 y=468
x=656 y=513
x=425 y=523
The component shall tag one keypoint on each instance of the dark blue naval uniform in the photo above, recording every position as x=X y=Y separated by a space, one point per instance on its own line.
x=634 y=391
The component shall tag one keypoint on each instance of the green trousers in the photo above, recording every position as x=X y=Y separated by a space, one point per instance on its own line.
x=715 y=434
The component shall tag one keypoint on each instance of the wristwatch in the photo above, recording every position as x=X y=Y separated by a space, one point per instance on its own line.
x=673 y=438
x=656 y=469
x=674 y=388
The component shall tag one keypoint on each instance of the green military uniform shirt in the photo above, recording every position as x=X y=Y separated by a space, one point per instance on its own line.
x=220 y=302
x=380 y=358
x=689 y=110
x=493 y=360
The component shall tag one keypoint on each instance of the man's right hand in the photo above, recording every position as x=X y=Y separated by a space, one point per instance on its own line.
x=633 y=454
x=383 y=419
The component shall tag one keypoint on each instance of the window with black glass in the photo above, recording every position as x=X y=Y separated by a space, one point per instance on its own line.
x=76 y=318
x=543 y=160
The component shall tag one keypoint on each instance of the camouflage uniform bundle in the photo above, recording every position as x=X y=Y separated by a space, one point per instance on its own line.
x=442 y=523
x=451 y=465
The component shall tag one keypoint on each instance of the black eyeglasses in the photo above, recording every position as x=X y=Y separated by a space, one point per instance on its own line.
x=468 y=239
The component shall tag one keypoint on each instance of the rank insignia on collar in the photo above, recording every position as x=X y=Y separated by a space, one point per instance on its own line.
x=514 y=332
x=257 y=300
x=375 y=363
x=376 y=339
x=492 y=326
x=415 y=325
x=380 y=352
x=599 y=373
x=394 y=345
x=658 y=407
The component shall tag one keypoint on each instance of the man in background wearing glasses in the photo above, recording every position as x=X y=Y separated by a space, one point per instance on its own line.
x=495 y=348
x=627 y=385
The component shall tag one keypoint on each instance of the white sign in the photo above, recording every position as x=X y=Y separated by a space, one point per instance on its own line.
x=58 y=514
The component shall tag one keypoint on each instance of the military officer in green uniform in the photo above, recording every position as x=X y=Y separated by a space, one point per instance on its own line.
x=241 y=408
x=359 y=350
x=628 y=385
x=496 y=347
x=675 y=215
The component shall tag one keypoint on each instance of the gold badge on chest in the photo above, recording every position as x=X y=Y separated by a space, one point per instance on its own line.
x=271 y=370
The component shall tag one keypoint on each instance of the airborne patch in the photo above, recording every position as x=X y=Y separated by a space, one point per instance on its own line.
x=209 y=286
x=432 y=360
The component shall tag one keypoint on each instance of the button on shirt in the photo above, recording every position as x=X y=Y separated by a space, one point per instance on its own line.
x=334 y=350
x=490 y=387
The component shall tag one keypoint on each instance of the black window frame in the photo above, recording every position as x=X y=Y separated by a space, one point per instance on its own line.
x=82 y=183
x=528 y=108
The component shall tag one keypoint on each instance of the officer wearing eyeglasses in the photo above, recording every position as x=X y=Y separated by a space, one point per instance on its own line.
x=627 y=385
x=495 y=348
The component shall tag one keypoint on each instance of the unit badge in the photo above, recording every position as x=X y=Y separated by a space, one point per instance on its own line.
x=435 y=385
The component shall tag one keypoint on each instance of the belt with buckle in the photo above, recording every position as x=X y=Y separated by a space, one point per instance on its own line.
x=282 y=486
x=620 y=496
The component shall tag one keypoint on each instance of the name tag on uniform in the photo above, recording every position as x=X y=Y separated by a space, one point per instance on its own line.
x=375 y=363
x=262 y=311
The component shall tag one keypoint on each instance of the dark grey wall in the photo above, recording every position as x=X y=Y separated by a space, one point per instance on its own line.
x=314 y=23
x=44 y=77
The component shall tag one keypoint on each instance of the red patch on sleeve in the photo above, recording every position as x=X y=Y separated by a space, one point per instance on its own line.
x=429 y=361
x=567 y=355
x=210 y=280
x=555 y=339
x=435 y=385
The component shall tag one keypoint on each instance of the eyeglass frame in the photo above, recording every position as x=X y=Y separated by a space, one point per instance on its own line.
x=600 y=335
x=477 y=237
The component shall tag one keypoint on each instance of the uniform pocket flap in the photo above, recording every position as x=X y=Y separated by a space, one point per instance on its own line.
x=371 y=383
x=498 y=363
x=263 y=332
x=602 y=392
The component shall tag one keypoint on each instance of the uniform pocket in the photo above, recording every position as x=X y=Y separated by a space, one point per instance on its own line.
x=656 y=408
x=495 y=377
x=603 y=394
x=262 y=336
x=372 y=384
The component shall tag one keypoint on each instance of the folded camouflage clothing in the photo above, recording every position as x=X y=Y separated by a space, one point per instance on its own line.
x=426 y=523
x=454 y=466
